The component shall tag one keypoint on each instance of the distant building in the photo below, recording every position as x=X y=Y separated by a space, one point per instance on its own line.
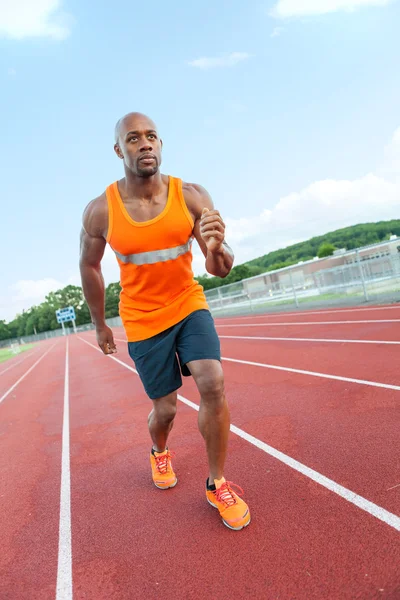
x=323 y=271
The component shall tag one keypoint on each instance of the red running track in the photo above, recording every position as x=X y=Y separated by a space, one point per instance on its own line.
x=130 y=540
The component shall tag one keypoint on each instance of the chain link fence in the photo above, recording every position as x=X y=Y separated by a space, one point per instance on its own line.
x=369 y=274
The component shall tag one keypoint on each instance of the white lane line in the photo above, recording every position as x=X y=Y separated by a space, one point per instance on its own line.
x=366 y=505
x=64 y=568
x=309 y=312
x=308 y=323
x=288 y=339
x=386 y=386
x=373 y=509
x=14 y=364
x=393 y=487
x=25 y=374
x=110 y=355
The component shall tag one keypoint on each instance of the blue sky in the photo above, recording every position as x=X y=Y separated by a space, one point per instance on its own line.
x=287 y=111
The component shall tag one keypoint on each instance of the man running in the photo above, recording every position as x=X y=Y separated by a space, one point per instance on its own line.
x=149 y=220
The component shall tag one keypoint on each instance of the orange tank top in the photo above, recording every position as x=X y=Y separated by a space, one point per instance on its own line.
x=155 y=261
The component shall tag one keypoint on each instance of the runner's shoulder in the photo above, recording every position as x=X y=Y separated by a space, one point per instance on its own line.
x=196 y=197
x=95 y=216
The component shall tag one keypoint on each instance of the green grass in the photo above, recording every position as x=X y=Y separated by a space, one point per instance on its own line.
x=6 y=353
x=306 y=299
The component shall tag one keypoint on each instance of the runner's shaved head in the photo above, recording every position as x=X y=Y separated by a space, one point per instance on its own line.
x=135 y=136
x=129 y=121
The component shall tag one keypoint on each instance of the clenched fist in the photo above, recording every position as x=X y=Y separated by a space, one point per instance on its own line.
x=212 y=229
x=105 y=340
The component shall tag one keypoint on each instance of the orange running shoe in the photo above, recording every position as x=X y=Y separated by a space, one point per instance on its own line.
x=233 y=510
x=162 y=471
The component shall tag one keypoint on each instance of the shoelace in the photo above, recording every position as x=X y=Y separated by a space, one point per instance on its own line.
x=163 y=462
x=225 y=493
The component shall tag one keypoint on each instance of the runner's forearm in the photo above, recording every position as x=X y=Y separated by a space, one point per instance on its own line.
x=94 y=292
x=220 y=263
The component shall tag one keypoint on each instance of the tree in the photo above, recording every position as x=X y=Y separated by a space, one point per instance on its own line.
x=325 y=249
x=207 y=282
x=71 y=295
x=113 y=291
x=237 y=274
x=4 y=331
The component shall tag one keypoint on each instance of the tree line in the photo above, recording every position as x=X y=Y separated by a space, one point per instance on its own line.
x=43 y=318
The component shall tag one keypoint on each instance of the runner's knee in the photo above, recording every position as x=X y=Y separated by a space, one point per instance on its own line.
x=211 y=387
x=165 y=409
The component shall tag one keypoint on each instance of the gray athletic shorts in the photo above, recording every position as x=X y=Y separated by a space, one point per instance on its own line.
x=162 y=359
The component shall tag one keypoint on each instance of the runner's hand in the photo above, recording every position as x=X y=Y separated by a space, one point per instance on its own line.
x=105 y=340
x=212 y=229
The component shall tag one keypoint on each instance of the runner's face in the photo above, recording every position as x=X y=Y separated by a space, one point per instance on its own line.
x=140 y=146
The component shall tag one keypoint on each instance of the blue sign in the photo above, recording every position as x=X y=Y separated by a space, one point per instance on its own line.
x=65 y=314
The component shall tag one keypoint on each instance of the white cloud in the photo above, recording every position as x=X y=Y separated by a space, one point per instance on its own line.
x=320 y=207
x=227 y=60
x=24 y=294
x=21 y=19
x=28 y=288
x=109 y=266
x=277 y=32
x=301 y=8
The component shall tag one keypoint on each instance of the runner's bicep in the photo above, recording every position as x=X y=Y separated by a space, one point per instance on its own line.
x=91 y=249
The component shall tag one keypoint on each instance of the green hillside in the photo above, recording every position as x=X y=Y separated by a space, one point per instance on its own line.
x=349 y=238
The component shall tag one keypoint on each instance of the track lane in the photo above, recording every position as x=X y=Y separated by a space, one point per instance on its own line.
x=314 y=340
x=288 y=553
x=376 y=331
x=340 y=314
x=368 y=362
x=107 y=571
x=11 y=376
x=30 y=422
x=340 y=359
x=11 y=363
x=380 y=330
x=347 y=432
x=343 y=430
